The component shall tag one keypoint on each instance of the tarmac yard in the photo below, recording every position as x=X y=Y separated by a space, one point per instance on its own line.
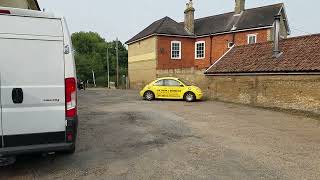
x=120 y=136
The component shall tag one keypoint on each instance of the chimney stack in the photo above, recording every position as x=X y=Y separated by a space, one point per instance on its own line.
x=276 y=38
x=240 y=6
x=189 y=17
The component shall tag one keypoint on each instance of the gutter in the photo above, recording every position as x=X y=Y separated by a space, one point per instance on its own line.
x=171 y=35
x=235 y=31
x=156 y=34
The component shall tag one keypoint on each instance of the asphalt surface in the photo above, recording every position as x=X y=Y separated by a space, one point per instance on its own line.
x=124 y=137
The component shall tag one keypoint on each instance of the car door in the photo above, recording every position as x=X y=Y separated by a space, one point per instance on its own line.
x=174 y=88
x=160 y=90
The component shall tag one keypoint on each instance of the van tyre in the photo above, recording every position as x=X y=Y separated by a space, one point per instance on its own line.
x=149 y=96
x=190 y=97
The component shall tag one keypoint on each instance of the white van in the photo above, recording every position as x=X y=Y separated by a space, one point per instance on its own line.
x=38 y=102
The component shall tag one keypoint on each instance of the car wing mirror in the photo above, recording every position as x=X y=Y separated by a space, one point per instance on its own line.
x=181 y=85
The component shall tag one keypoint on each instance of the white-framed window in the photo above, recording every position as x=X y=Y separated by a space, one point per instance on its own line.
x=175 y=50
x=200 y=50
x=252 y=38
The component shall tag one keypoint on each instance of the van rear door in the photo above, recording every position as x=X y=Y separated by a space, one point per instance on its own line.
x=32 y=81
x=1 y=137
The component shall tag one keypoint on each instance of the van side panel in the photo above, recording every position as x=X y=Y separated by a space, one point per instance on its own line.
x=30 y=26
x=35 y=65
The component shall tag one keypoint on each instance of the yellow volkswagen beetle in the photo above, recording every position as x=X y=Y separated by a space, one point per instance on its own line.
x=171 y=88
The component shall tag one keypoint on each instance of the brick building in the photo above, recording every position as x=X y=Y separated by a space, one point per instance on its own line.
x=170 y=48
x=286 y=75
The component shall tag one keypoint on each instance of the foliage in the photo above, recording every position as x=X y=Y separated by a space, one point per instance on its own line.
x=91 y=55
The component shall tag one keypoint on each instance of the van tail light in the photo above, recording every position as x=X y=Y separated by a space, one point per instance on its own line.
x=2 y=11
x=71 y=97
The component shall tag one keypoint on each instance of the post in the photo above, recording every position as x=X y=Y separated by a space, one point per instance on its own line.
x=94 y=79
x=108 y=68
x=117 y=54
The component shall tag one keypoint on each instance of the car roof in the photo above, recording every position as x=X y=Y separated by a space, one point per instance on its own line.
x=174 y=78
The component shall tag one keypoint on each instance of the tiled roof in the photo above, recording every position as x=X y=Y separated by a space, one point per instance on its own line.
x=223 y=23
x=250 y=18
x=300 y=54
x=165 y=25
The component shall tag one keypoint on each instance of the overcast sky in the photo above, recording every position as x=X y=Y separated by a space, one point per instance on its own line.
x=125 y=18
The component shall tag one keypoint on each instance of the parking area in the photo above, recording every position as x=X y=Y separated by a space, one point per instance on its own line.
x=123 y=137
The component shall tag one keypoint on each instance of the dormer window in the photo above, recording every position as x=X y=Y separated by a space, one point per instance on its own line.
x=252 y=38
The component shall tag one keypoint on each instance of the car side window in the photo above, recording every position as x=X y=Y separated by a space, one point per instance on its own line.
x=159 y=83
x=170 y=82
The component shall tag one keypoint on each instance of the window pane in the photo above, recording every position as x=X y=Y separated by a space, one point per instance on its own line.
x=200 y=47
x=170 y=82
x=159 y=83
x=175 y=50
x=252 y=39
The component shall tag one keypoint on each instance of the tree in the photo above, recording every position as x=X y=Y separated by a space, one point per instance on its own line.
x=91 y=54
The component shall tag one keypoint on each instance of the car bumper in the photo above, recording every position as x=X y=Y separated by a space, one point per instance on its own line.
x=64 y=145
x=199 y=96
x=13 y=151
x=141 y=93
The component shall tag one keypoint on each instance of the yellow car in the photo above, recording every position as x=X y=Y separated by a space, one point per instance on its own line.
x=171 y=88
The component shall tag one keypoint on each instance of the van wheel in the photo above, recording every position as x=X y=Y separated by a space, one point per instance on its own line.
x=190 y=97
x=149 y=95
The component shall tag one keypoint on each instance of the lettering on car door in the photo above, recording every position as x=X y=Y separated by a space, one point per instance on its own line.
x=174 y=88
x=161 y=90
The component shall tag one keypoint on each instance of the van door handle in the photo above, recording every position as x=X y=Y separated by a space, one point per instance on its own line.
x=17 y=95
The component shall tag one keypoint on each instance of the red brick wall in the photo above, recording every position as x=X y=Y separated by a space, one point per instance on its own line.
x=203 y=62
x=242 y=39
x=218 y=48
x=164 y=53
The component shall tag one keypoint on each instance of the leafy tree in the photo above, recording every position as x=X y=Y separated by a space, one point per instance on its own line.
x=91 y=55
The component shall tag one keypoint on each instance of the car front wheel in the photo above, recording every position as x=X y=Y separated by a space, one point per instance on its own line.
x=190 y=97
x=149 y=96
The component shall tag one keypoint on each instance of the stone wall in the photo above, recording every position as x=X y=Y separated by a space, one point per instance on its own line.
x=142 y=62
x=298 y=92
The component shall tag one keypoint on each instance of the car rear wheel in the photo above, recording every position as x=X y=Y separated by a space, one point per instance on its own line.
x=149 y=96
x=190 y=97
